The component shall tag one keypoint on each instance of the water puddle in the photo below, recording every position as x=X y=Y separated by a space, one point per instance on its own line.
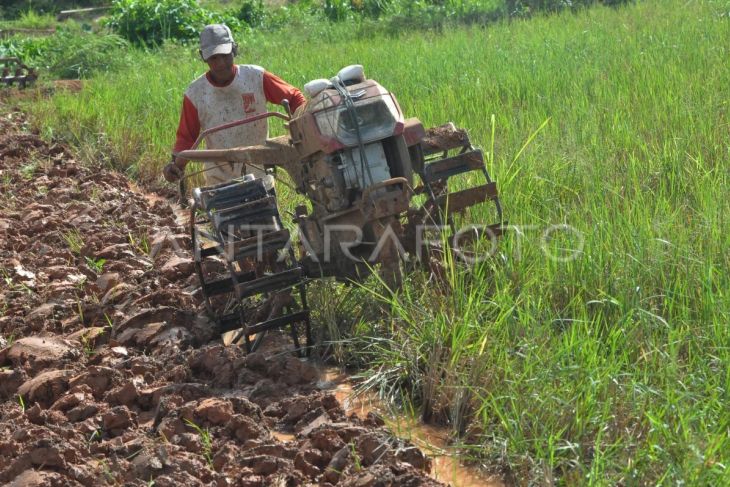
x=433 y=440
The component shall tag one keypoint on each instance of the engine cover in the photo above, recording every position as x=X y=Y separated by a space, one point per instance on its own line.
x=359 y=175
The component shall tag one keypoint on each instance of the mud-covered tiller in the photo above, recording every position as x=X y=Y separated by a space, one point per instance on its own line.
x=355 y=157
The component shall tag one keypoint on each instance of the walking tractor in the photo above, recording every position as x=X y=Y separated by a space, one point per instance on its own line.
x=376 y=185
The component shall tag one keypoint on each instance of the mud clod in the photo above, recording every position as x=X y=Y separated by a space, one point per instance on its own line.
x=46 y=387
x=34 y=354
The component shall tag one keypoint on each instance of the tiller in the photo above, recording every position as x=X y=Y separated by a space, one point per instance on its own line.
x=374 y=183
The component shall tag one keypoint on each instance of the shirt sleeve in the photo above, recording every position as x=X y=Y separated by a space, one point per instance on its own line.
x=189 y=127
x=276 y=90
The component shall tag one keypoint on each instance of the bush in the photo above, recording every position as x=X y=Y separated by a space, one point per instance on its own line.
x=337 y=10
x=27 y=49
x=150 y=22
x=252 y=12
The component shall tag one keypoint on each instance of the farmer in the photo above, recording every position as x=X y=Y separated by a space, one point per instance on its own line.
x=226 y=93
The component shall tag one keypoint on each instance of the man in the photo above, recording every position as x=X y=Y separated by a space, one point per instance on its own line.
x=226 y=93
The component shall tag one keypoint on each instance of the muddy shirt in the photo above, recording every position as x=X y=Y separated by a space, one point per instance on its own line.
x=206 y=105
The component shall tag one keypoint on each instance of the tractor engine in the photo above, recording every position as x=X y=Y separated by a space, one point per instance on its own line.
x=352 y=137
x=349 y=173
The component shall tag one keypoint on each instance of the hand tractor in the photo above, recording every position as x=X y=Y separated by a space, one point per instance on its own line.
x=374 y=184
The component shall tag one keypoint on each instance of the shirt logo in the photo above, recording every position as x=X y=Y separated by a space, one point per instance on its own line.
x=249 y=102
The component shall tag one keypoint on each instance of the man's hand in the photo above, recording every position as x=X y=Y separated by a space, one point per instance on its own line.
x=172 y=172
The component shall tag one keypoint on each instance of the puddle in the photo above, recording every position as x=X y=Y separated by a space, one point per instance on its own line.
x=433 y=440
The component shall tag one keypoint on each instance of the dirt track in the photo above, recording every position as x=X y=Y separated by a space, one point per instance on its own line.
x=108 y=374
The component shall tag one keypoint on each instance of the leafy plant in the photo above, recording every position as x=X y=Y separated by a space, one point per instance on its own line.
x=106 y=470
x=252 y=12
x=97 y=265
x=150 y=23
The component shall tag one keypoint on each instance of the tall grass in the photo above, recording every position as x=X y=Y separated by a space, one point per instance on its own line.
x=30 y=19
x=610 y=368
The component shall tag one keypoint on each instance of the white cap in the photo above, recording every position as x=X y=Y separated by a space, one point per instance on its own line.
x=215 y=39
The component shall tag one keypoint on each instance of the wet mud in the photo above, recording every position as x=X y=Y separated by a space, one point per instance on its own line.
x=110 y=373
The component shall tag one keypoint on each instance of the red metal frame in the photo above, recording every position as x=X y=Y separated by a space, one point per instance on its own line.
x=243 y=121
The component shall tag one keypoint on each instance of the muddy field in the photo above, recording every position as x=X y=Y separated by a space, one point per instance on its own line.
x=110 y=374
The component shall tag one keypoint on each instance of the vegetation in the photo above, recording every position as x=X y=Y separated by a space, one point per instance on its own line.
x=597 y=356
x=69 y=54
x=30 y=19
x=17 y=8
x=150 y=22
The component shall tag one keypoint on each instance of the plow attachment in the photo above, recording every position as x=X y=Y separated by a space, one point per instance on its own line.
x=14 y=71
x=443 y=153
x=248 y=273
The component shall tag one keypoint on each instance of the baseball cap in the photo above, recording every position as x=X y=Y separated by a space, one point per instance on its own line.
x=215 y=39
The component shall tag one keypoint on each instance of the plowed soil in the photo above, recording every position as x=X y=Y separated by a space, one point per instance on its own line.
x=109 y=371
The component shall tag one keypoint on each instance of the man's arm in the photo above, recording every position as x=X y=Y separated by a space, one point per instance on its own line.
x=189 y=127
x=276 y=90
x=188 y=130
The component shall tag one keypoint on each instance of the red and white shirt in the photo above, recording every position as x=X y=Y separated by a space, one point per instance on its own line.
x=207 y=104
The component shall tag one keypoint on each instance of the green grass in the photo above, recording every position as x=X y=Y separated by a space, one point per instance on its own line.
x=30 y=19
x=611 y=368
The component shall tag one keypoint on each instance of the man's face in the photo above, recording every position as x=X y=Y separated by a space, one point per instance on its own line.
x=221 y=67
